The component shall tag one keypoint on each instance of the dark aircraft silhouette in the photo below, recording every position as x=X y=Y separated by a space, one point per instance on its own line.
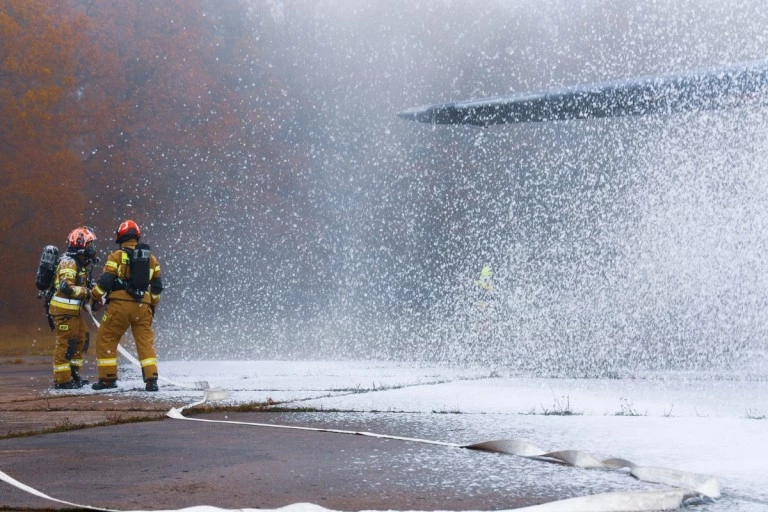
x=707 y=89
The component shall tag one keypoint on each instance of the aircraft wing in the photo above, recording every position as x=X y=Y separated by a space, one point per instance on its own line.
x=709 y=89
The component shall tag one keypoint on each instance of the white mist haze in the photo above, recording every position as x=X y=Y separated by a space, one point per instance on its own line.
x=615 y=243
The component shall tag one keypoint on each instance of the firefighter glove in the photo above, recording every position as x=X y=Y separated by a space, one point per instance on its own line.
x=65 y=288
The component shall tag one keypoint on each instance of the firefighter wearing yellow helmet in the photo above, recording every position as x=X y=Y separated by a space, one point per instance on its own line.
x=484 y=289
x=71 y=294
x=484 y=283
x=131 y=285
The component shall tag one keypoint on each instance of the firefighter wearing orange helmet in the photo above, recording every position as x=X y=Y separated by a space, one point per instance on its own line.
x=131 y=286
x=71 y=294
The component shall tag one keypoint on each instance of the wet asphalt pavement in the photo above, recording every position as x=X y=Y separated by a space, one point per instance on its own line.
x=174 y=464
x=169 y=464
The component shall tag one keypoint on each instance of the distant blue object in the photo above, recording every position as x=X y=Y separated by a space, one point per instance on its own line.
x=711 y=89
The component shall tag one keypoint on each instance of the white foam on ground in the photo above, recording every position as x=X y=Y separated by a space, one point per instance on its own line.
x=706 y=424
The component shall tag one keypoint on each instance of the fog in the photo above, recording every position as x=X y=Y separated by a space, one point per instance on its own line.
x=616 y=244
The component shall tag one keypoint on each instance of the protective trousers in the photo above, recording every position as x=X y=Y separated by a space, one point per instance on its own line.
x=71 y=332
x=119 y=316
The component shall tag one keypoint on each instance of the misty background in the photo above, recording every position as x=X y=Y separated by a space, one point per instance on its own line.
x=616 y=243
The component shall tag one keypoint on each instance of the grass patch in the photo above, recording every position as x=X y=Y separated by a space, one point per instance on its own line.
x=628 y=409
x=561 y=407
x=447 y=411
x=269 y=406
x=67 y=426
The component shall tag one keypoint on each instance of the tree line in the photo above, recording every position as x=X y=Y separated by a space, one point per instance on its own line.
x=109 y=108
x=257 y=143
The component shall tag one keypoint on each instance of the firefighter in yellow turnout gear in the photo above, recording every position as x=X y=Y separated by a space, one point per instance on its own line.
x=132 y=285
x=485 y=284
x=485 y=290
x=71 y=294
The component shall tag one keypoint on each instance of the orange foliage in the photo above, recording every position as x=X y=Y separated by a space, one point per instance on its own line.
x=41 y=193
x=111 y=108
x=175 y=104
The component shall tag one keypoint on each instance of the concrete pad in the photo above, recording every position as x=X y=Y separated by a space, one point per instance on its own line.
x=173 y=464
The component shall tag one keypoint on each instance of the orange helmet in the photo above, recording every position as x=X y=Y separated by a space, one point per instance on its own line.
x=80 y=243
x=127 y=230
x=78 y=238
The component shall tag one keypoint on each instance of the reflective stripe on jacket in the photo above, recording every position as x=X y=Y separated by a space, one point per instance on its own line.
x=75 y=275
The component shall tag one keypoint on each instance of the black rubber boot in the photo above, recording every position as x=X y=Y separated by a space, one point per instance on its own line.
x=104 y=384
x=73 y=384
x=152 y=385
x=76 y=376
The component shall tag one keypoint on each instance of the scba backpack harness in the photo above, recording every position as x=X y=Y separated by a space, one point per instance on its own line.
x=46 y=278
x=46 y=273
x=138 y=282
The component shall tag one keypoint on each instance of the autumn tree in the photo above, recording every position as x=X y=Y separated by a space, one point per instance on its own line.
x=175 y=100
x=200 y=144
x=153 y=109
x=41 y=196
